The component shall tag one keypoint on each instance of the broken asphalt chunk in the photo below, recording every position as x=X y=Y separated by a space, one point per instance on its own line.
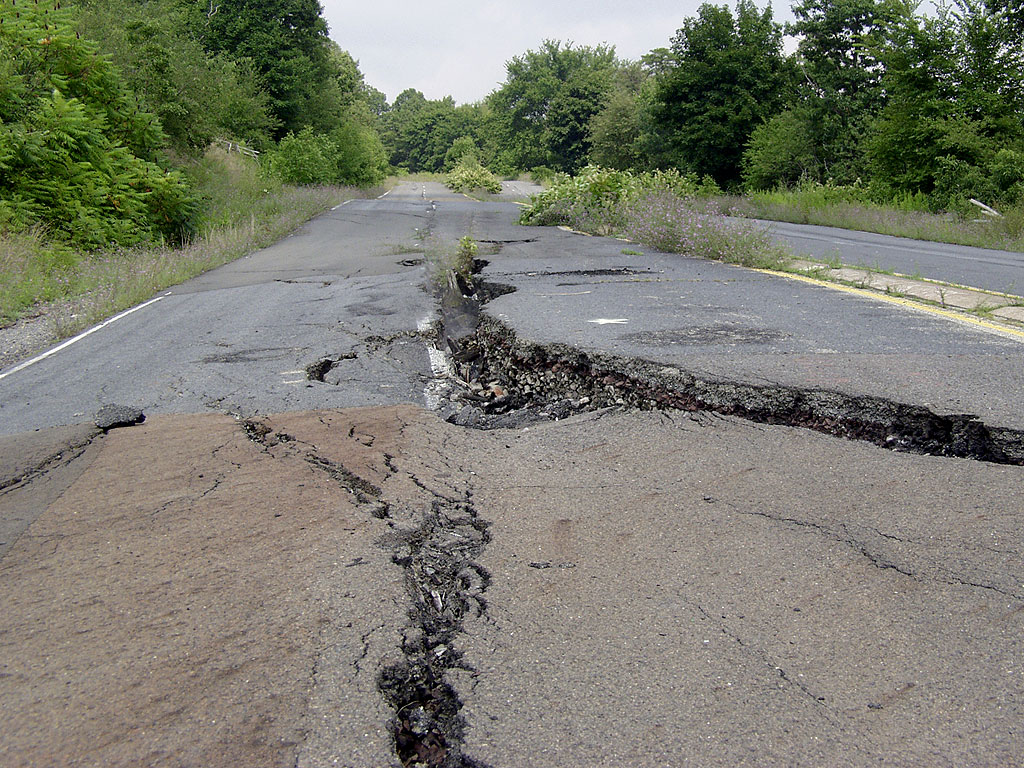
x=112 y=416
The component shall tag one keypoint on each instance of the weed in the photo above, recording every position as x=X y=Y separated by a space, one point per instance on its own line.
x=443 y=260
x=664 y=209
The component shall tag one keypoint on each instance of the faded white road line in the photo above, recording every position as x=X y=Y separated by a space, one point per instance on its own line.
x=79 y=337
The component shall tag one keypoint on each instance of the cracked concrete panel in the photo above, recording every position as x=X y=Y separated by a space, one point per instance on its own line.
x=191 y=581
x=673 y=589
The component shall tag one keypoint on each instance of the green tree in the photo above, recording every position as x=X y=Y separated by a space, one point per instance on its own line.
x=952 y=126
x=780 y=152
x=726 y=76
x=617 y=131
x=287 y=43
x=197 y=96
x=840 y=77
x=541 y=114
x=419 y=132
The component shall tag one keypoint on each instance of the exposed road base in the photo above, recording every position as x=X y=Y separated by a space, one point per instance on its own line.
x=514 y=381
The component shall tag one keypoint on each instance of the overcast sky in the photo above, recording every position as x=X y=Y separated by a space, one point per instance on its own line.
x=459 y=49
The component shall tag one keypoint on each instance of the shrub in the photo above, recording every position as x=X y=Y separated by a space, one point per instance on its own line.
x=76 y=153
x=663 y=209
x=304 y=158
x=675 y=224
x=468 y=175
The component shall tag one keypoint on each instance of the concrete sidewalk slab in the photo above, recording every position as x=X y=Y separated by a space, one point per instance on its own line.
x=955 y=296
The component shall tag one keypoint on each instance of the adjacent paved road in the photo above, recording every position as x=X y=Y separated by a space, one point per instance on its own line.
x=243 y=578
x=986 y=268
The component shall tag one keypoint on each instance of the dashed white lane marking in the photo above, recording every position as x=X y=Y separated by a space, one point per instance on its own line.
x=79 y=337
x=609 y=321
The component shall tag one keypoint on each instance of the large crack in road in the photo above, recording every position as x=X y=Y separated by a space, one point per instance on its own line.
x=505 y=381
x=445 y=584
x=499 y=381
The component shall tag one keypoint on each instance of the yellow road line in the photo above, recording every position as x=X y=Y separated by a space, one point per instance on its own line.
x=1017 y=334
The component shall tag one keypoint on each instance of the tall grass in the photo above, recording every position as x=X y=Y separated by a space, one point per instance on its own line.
x=243 y=211
x=906 y=216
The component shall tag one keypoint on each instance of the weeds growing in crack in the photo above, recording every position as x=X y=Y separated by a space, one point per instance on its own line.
x=446 y=585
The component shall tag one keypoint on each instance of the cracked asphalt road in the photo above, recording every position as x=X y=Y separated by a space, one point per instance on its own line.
x=233 y=581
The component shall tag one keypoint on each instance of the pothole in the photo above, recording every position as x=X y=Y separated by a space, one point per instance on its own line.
x=318 y=371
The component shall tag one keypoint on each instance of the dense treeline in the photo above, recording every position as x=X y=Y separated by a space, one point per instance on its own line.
x=104 y=102
x=906 y=107
x=926 y=111
x=105 y=105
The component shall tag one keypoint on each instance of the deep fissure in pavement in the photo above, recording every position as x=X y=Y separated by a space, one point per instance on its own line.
x=445 y=584
x=505 y=381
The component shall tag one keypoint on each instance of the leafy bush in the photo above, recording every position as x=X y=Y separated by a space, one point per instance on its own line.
x=77 y=153
x=662 y=209
x=591 y=201
x=595 y=200
x=780 y=152
x=541 y=174
x=350 y=154
x=304 y=158
x=468 y=175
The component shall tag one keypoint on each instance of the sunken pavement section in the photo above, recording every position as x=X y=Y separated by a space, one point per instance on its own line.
x=377 y=587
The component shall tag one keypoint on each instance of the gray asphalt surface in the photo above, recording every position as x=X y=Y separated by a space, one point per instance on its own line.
x=349 y=285
x=650 y=589
x=734 y=324
x=672 y=591
x=986 y=268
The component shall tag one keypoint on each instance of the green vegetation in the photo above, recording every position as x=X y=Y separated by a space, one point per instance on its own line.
x=853 y=207
x=883 y=118
x=78 y=155
x=242 y=210
x=666 y=210
x=449 y=267
x=468 y=175
x=108 y=108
